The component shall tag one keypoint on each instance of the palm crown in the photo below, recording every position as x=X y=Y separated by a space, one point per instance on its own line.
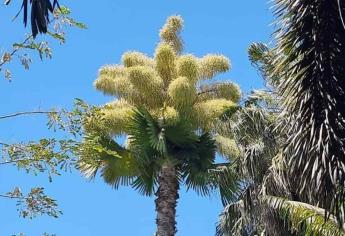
x=166 y=107
x=172 y=90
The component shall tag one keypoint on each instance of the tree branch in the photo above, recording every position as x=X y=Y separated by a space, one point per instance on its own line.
x=18 y=160
x=15 y=50
x=27 y=113
x=207 y=91
x=11 y=197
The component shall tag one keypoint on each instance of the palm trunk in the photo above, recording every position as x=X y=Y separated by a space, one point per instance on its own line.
x=167 y=195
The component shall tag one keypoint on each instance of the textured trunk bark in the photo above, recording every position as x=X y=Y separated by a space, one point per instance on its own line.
x=167 y=195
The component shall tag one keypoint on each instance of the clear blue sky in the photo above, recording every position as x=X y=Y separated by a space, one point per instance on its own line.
x=93 y=208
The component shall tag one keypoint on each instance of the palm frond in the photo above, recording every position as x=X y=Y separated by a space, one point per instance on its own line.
x=310 y=61
x=226 y=179
x=302 y=218
x=230 y=220
x=99 y=153
x=146 y=180
x=145 y=133
x=262 y=58
x=198 y=159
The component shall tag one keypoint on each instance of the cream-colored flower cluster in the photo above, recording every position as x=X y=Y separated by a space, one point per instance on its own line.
x=170 y=85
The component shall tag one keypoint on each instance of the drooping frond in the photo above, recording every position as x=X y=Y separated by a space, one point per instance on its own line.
x=255 y=132
x=226 y=179
x=262 y=58
x=230 y=220
x=99 y=153
x=211 y=65
x=310 y=61
x=170 y=33
x=148 y=146
x=198 y=160
x=302 y=218
x=146 y=180
x=256 y=161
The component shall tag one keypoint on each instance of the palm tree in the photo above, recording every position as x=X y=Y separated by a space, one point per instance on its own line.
x=265 y=205
x=311 y=65
x=166 y=107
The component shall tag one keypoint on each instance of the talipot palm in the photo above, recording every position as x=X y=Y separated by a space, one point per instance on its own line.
x=166 y=107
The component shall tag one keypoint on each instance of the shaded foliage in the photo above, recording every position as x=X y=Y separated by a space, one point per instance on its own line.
x=310 y=63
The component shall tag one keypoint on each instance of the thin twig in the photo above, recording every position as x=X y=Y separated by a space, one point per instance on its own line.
x=16 y=49
x=18 y=160
x=27 y=113
x=207 y=91
x=11 y=197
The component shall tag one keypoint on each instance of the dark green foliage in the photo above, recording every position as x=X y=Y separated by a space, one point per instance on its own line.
x=40 y=10
x=310 y=61
x=193 y=155
x=151 y=144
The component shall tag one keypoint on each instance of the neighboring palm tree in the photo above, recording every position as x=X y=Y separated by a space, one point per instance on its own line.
x=311 y=64
x=265 y=205
x=307 y=178
x=166 y=107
